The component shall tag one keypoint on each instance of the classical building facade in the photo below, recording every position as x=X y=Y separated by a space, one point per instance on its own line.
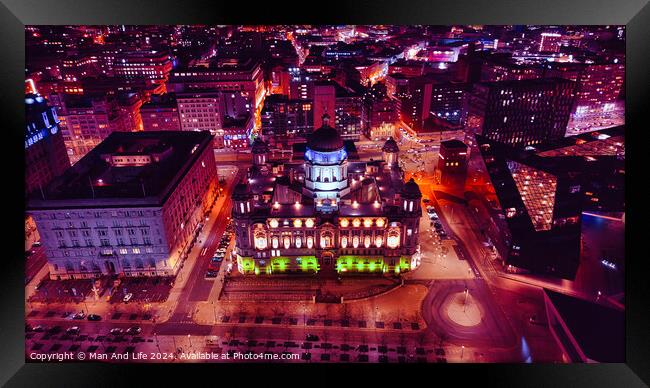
x=130 y=207
x=326 y=213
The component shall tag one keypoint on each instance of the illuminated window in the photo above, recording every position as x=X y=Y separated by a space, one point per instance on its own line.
x=537 y=191
x=297 y=223
x=378 y=241
x=260 y=241
x=309 y=223
x=344 y=222
x=298 y=242
x=355 y=241
x=366 y=241
x=356 y=222
x=393 y=240
x=344 y=242
x=275 y=242
x=380 y=222
x=273 y=223
x=287 y=242
x=367 y=222
x=310 y=242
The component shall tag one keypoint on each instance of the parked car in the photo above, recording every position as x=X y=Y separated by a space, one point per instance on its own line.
x=116 y=331
x=74 y=330
x=127 y=297
x=312 y=337
x=36 y=244
x=79 y=315
x=134 y=330
x=39 y=328
x=211 y=273
x=94 y=317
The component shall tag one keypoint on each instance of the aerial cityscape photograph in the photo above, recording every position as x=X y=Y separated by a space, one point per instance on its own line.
x=325 y=193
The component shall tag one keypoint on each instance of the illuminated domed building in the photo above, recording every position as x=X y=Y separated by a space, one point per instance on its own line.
x=326 y=211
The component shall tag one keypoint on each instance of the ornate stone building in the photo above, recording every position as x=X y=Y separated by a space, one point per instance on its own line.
x=326 y=213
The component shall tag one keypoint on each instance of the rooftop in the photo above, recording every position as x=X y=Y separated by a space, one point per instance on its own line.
x=599 y=330
x=126 y=169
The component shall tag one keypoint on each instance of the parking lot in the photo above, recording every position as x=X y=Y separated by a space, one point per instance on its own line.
x=143 y=289
x=66 y=291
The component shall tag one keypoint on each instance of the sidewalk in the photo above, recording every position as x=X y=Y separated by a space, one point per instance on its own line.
x=159 y=311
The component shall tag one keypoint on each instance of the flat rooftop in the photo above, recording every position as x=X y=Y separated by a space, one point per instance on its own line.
x=126 y=169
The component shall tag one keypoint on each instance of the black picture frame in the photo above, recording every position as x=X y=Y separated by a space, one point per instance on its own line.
x=15 y=14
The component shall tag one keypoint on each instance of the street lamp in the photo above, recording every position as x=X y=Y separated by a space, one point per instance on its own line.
x=189 y=339
x=462 y=351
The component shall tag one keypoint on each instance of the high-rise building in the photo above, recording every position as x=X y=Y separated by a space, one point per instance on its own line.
x=87 y=120
x=200 y=110
x=285 y=121
x=550 y=42
x=324 y=96
x=542 y=191
x=598 y=84
x=445 y=100
x=499 y=68
x=161 y=113
x=226 y=75
x=45 y=153
x=130 y=207
x=348 y=112
x=149 y=64
x=452 y=163
x=520 y=112
x=383 y=116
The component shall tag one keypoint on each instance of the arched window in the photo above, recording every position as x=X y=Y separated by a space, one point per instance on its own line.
x=260 y=241
x=326 y=240
x=411 y=206
x=393 y=239
x=241 y=207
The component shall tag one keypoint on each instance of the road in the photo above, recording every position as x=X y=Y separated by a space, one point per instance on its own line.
x=34 y=263
x=197 y=288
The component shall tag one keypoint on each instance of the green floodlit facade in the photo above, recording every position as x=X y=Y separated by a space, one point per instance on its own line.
x=309 y=264
x=324 y=213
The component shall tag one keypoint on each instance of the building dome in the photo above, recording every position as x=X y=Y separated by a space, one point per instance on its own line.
x=411 y=190
x=390 y=145
x=325 y=139
x=259 y=146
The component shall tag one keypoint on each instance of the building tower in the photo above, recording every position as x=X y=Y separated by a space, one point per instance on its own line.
x=411 y=197
x=243 y=199
x=260 y=151
x=326 y=166
x=390 y=152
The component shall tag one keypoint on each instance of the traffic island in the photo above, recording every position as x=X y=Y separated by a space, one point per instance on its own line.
x=463 y=310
